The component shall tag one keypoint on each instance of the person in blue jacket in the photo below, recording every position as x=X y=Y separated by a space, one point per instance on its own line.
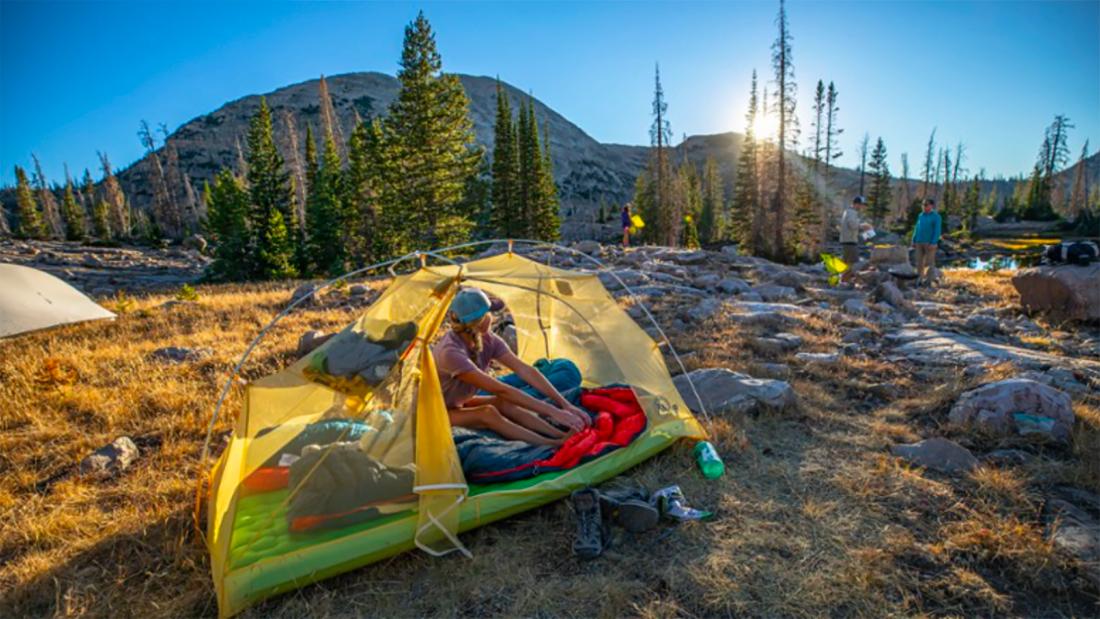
x=926 y=236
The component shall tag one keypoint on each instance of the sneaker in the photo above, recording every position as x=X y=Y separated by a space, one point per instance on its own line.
x=631 y=509
x=592 y=533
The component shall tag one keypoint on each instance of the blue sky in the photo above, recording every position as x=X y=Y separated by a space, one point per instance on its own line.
x=78 y=77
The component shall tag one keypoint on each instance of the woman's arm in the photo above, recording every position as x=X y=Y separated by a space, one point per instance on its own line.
x=533 y=377
x=483 y=381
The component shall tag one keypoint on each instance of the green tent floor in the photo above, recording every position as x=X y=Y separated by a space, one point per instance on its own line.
x=261 y=530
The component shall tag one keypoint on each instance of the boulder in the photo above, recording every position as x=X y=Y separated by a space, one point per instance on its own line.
x=1073 y=519
x=695 y=257
x=772 y=293
x=734 y=285
x=889 y=254
x=983 y=324
x=1016 y=406
x=724 y=391
x=707 y=308
x=826 y=358
x=1067 y=290
x=358 y=290
x=706 y=280
x=306 y=290
x=177 y=354
x=312 y=340
x=730 y=250
x=857 y=307
x=592 y=248
x=937 y=453
x=889 y=292
x=110 y=459
x=859 y=334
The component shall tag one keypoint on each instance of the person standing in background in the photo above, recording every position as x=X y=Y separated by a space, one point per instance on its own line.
x=926 y=238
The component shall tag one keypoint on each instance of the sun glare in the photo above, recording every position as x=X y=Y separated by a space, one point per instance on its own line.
x=765 y=127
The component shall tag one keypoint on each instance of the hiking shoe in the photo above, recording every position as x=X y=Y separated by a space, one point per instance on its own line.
x=631 y=509
x=592 y=533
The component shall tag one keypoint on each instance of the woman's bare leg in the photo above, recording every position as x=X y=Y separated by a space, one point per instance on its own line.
x=527 y=419
x=489 y=418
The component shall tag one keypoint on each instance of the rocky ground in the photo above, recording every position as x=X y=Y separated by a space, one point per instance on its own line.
x=103 y=271
x=889 y=451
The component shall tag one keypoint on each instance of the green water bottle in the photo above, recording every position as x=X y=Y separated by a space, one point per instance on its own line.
x=709 y=461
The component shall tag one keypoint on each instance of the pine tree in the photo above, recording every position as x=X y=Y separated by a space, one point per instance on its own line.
x=87 y=191
x=165 y=216
x=832 y=131
x=548 y=220
x=72 y=212
x=118 y=212
x=324 y=215
x=361 y=196
x=807 y=220
x=431 y=141
x=1079 y=194
x=31 y=225
x=819 y=111
x=227 y=226
x=786 y=137
x=101 y=220
x=745 y=227
x=51 y=212
x=269 y=189
x=972 y=204
x=947 y=204
x=505 y=219
x=663 y=220
x=878 y=201
x=711 y=222
x=863 y=144
x=926 y=173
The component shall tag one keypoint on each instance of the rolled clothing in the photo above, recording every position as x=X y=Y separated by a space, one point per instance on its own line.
x=353 y=357
x=563 y=374
x=338 y=485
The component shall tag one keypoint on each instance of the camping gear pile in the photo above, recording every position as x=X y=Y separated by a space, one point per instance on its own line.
x=347 y=456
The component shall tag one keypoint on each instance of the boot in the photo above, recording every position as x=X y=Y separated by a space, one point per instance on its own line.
x=593 y=535
x=630 y=508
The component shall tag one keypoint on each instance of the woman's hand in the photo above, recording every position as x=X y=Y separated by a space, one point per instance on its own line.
x=569 y=420
x=578 y=413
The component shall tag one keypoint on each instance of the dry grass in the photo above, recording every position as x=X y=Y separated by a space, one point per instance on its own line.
x=812 y=518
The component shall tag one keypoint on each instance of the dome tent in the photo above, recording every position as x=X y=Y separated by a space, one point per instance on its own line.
x=33 y=300
x=282 y=511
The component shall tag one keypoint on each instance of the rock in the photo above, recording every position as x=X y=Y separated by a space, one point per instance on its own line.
x=1016 y=406
x=1059 y=378
x=1073 y=519
x=985 y=325
x=196 y=242
x=931 y=347
x=937 y=453
x=358 y=290
x=1068 y=290
x=689 y=258
x=750 y=297
x=592 y=248
x=790 y=340
x=857 y=307
x=305 y=290
x=889 y=254
x=859 y=334
x=769 y=345
x=888 y=292
x=706 y=280
x=91 y=261
x=176 y=354
x=614 y=280
x=781 y=371
x=707 y=308
x=734 y=285
x=723 y=391
x=826 y=358
x=772 y=293
x=110 y=459
x=730 y=250
x=312 y=340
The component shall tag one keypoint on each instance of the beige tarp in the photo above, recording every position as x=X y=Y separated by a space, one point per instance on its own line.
x=31 y=299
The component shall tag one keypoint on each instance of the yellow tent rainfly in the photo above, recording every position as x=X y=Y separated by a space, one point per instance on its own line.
x=326 y=472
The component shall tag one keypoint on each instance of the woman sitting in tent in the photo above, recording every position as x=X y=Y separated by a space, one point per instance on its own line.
x=462 y=356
